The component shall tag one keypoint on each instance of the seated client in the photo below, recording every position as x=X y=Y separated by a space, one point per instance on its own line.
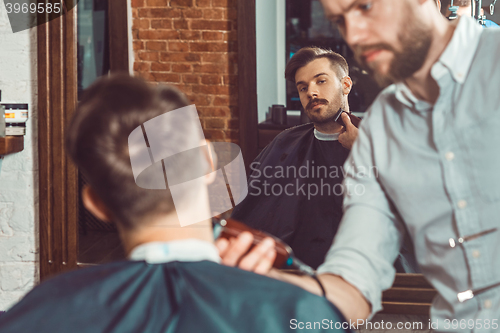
x=295 y=189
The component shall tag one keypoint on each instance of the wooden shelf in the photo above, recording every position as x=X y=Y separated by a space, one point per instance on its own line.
x=11 y=144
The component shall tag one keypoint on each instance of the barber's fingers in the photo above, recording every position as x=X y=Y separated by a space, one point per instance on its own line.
x=347 y=121
x=235 y=249
x=343 y=137
x=261 y=257
x=266 y=264
x=222 y=244
x=347 y=139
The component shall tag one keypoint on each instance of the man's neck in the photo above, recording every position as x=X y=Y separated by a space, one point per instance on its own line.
x=421 y=83
x=328 y=128
x=165 y=229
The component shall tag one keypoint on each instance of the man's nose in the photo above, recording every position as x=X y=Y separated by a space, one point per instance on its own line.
x=355 y=30
x=312 y=92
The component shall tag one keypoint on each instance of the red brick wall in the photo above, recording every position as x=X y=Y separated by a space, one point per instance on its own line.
x=192 y=44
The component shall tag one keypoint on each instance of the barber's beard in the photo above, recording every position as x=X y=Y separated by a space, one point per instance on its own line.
x=415 y=41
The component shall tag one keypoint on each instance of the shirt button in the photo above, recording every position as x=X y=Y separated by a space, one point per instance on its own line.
x=449 y=156
x=476 y=254
x=487 y=304
x=462 y=204
x=452 y=242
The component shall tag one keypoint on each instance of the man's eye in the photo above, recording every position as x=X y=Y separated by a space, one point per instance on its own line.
x=321 y=81
x=366 y=7
x=338 y=21
x=302 y=89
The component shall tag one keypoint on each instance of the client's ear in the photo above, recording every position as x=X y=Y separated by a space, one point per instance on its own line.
x=210 y=156
x=211 y=159
x=93 y=203
x=346 y=85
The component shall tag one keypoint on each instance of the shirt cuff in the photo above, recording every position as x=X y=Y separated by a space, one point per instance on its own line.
x=344 y=264
x=363 y=255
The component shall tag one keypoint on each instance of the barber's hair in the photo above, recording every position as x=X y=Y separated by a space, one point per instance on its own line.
x=97 y=141
x=307 y=54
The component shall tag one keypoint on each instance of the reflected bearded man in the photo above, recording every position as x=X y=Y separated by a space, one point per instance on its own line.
x=434 y=144
x=295 y=189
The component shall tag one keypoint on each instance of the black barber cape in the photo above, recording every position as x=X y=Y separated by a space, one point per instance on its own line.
x=295 y=192
x=133 y=296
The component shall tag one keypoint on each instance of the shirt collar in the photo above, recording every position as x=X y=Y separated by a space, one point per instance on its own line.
x=459 y=53
x=181 y=250
x=326 y=137
x=464 y=43
x=405 y=96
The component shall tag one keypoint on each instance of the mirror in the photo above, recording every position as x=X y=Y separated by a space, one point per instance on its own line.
x=98 y=241
x=411 y=293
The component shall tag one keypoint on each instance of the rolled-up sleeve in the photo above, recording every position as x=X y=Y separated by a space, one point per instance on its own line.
x=370 y=233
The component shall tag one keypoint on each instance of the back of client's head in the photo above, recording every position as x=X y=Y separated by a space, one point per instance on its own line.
x=97 y=141
x=308 y=54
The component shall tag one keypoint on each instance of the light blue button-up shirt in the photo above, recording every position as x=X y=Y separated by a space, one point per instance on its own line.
x=436 y=169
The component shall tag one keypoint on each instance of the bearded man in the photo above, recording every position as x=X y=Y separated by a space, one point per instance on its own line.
x=434 y=144
x=295 y=189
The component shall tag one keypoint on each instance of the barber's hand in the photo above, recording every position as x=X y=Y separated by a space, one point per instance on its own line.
x=234 y=253
x=349 y=133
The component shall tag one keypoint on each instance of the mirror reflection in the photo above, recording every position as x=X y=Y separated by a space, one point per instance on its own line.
x=98 y=241
x=305 y=137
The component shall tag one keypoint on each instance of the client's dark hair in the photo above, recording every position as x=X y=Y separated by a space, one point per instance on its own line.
x=97 y=141
x=307 y=54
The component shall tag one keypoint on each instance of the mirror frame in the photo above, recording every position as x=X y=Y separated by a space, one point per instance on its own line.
x=57 y=99
x=410 y=293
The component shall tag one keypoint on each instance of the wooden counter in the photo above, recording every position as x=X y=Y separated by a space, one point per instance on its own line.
x=11 y=144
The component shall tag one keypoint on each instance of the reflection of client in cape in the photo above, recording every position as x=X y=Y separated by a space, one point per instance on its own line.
x=295 y=190
x=172 y=282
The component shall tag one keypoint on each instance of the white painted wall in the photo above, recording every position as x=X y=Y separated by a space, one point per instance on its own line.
x=130 y=38
x=270 y=35
x=18 y=173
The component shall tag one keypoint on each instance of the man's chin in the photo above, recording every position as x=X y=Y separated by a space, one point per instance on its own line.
x=314 y=118
x=318 y=119
x=381 y=78
x=382 y=81
x=379 y=72
x=316 y=112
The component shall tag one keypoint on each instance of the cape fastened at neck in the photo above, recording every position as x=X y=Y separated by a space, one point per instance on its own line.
x=182 y=250
x=326 y=137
